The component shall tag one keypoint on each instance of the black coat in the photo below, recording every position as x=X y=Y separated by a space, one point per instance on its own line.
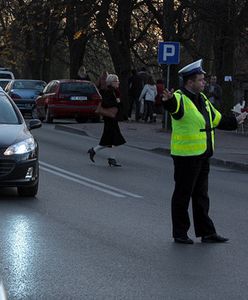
x=111 y=132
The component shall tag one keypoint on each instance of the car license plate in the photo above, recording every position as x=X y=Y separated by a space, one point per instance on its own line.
x=78 y=97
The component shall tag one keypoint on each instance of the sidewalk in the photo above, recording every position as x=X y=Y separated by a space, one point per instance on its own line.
x=231 y=148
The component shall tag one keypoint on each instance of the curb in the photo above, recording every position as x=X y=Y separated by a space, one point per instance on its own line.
x=214 y=161
x=229 y=164
x=71 y=130
x=165 y=151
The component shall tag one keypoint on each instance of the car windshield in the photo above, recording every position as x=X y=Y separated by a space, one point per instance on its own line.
x=8 y=114
x=77 y=87
x=32 y=85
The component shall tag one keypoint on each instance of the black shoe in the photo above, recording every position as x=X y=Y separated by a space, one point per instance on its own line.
x=214 y=238
x=92 y=153
x=183 y=240
x=113 y=162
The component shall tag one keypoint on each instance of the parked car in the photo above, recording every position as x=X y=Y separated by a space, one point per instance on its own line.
x=24 y=92
x=68 y=98
x=5 y=73
x=19 y=165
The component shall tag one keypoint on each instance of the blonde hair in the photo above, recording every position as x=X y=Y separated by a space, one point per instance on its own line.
x=111 y=78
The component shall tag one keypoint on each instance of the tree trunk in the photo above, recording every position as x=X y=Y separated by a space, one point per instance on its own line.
x=77 y=22
x=118 y=39
x=77 y=51
x=224 y=49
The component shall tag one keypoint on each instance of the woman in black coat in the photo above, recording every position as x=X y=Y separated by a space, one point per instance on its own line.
x=111 y=135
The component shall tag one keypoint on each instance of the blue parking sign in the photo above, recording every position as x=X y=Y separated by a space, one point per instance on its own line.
x=169 y=53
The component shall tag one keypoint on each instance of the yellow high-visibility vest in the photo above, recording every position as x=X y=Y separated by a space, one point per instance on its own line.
x=189 y=136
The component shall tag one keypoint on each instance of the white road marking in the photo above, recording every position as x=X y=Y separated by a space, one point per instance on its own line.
x=81 y=182
x=87 y=181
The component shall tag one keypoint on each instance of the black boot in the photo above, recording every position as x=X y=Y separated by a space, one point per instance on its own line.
x=92 y=153
x=113 y=162
x=214 y=238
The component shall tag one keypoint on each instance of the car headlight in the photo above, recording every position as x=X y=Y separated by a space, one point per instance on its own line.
x=21 y=147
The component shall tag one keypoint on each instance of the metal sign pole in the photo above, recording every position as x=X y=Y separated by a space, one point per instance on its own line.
x=168 y=77
x=165 y=114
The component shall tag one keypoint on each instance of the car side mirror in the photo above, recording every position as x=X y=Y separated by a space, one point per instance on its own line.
x=34 y=123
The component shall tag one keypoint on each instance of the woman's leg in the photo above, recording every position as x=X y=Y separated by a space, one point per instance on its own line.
x=112 y=160
x=92 y=151
x=145 y=110
x=151 y=111
x=98 y=148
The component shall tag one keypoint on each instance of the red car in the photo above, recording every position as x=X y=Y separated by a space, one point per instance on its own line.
x=68 y=98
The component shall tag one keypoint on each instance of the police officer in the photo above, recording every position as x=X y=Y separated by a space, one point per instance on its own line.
x=194 y=119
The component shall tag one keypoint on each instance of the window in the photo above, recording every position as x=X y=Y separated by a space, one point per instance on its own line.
x=54 y=87
x=28 y=84
x=51 y=87
x=7 y=112
x=3 y=83
x=77 y=88
x=5 y=75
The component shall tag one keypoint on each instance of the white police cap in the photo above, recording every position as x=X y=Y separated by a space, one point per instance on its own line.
x=191 y=69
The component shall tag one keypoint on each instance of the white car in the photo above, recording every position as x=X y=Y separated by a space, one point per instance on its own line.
x=6 y=74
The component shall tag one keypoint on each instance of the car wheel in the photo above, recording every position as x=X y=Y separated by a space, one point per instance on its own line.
x=81 y=119
x=28 y=191
x=48 y=118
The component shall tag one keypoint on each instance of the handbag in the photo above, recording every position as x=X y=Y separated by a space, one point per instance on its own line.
x=110 y=112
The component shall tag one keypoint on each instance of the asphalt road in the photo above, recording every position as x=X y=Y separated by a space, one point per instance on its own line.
x=95 y=232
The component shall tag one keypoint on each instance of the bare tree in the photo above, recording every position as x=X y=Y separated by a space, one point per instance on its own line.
x=228 y=22
x=32 y=34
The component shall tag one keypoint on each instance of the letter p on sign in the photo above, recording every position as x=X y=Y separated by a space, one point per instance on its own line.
x=168 y=53
x=169 y=50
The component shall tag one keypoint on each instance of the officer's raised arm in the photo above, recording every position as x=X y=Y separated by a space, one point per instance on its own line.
x=167 y=94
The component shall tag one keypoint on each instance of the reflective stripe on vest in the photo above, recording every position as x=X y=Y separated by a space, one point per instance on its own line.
x=189 y=135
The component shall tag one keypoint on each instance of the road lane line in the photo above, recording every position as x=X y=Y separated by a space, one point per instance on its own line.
x=93 y=183
x=82 y=182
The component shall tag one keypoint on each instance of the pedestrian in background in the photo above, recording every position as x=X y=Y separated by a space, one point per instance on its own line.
x=158 y=107
x=148 y=94
x=194 y=120
x=135 y=85
x=214 y=92
x=82 y=74
x=111 y=135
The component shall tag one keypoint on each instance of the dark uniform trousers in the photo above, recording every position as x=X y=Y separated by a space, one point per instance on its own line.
x=191 y=181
